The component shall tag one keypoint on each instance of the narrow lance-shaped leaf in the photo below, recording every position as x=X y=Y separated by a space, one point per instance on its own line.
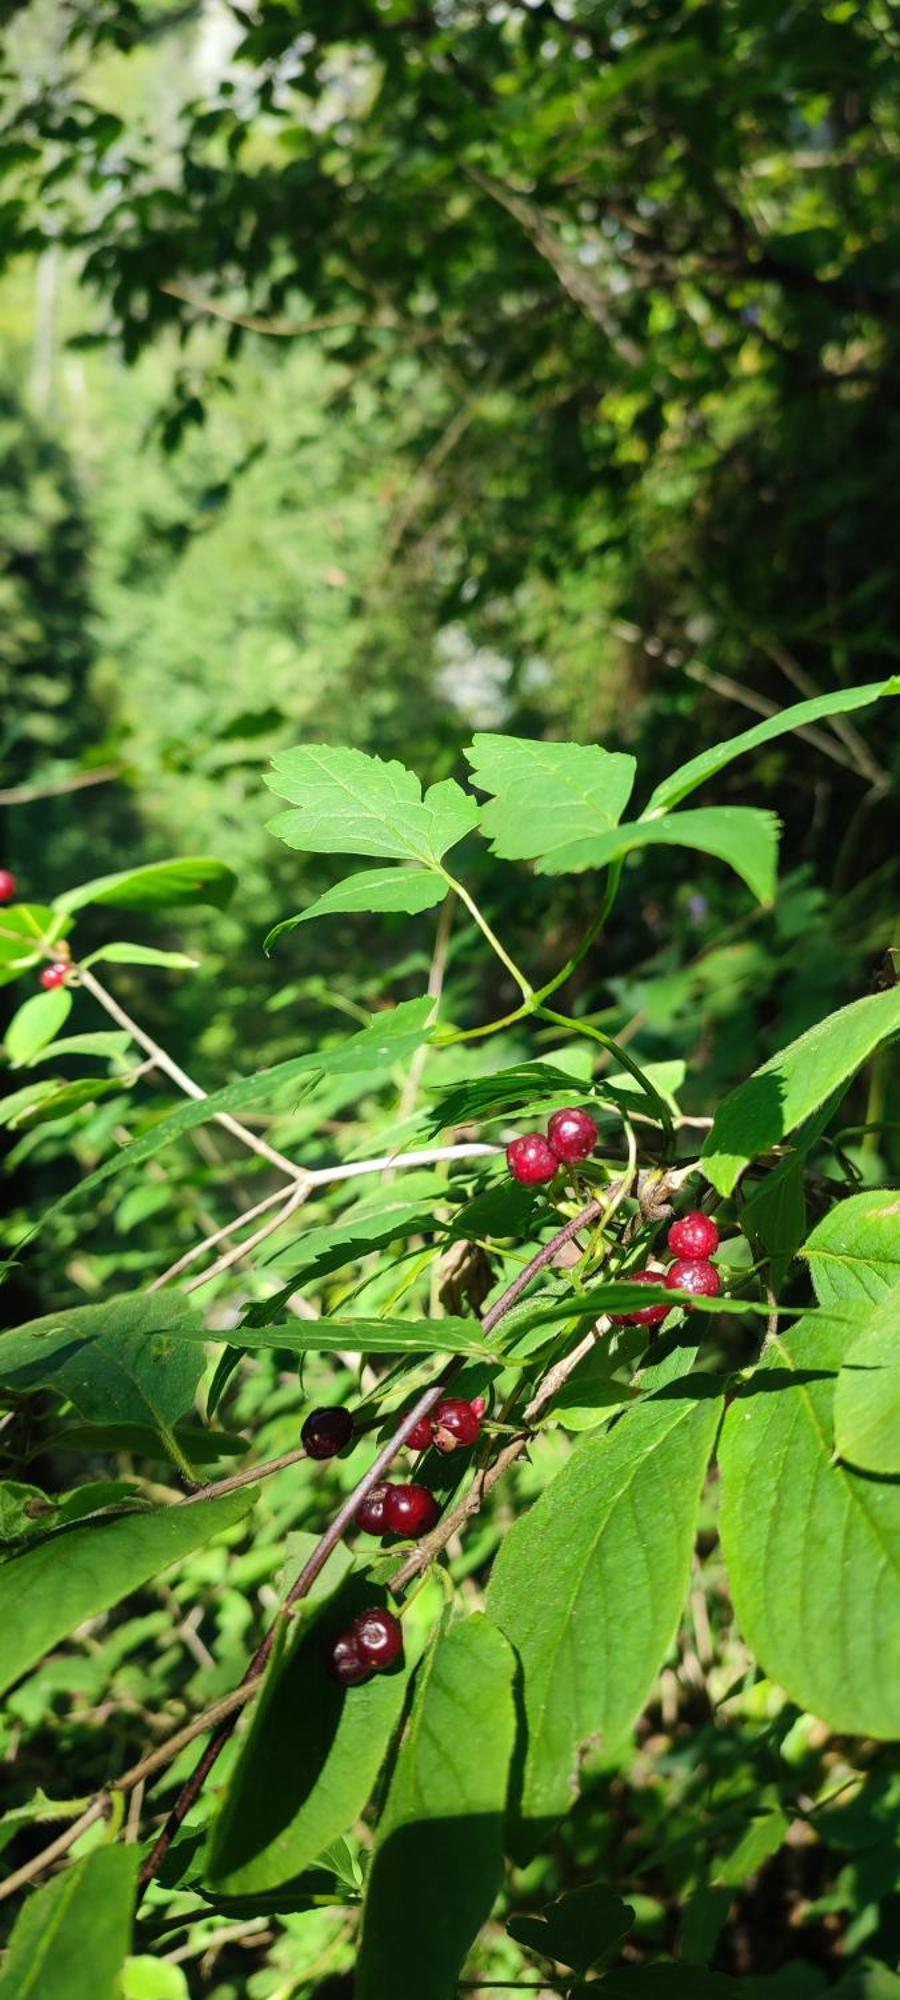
x=690 y=775
x=346 y=802
x=438 y=1850
x=408 y=890
x=793 y=1083
x=812 y=1548
x=589 y=1583
x=71 y=1938
x=48 y=1591
x=161 y=885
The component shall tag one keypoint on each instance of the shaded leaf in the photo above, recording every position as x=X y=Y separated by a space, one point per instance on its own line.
x=71 y=1938
x=127 y=1359
x=579 y=1929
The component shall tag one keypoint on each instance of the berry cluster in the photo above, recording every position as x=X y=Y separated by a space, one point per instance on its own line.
x=571 y=1137
x=693 y=1239
x=371 y=1645
x=55 y=974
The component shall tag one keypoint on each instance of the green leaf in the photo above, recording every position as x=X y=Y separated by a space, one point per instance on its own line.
x=774 y=1214
x=35 y=1023
x=545 y=796
x=390 y=1038
x=485 y=1097
x=867 y=1395
x=17 y=1106
x=812 y=1548
x=194 y=1442
x=371 y=1336
x=281 y=1810
x=71 y=1938
x=438 y=1857
x=142 y=954
x=108 y=1044
x=690 y=775
x=375 y=889
x=579 y=1929
x=792 y=1084
x=24 y=929
x=152 y=1979
x=611 y=1540
x=854 y=1252
x=743 y=836
x=125 y=1360
x=162 y=885
x=46 y=1592
x=350 y=803
x=766 y=1832
x=57 y=1100
x=334 y=1245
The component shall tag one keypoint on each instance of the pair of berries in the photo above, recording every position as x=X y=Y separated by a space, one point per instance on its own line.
x=693 y=1238
x=397 y=1510
x=371 y=1645
x=571 y=1137
x=452 y=1422
x=55 y=974
x=8 y=885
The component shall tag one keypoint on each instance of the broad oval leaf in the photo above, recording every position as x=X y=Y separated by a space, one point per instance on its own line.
x=124 y=1360
x=25 y=929
x=310 y=1757
x=545 y=796
x=161 y=885
x=35 y=1023
x=867 y=1395
x=802 y=713
x=812 y=1548
x=854 y=1252
x=438 y=1857
x=48 y=1591
x=793 y=1083
x=71 y=1939
x=408 y=890
x=589 y=1584
x=346 y=802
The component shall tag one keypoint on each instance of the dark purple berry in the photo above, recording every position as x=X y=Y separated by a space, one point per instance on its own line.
x=345 y=1662
x=421 y=1435
x=55 y=975
x=531 y=1160
x=378 y=1638
x=694 y=1275
x=572 y=1135
x=370 y=1513
x=409 y=1510
x=694 y=1235
x=8 y=885
x=645 y=1315
x=456 y=1422
x=326 y=1432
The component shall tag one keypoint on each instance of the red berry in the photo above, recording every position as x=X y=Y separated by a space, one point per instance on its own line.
x=378 y=1637
x=694 y=1275
x=531 y=1160
x=409 y=1510
x=455 y=1423
x=326 y=1432
x=370 y=1513
x=345 y=1662
x=421 y=1435
x=645 y=1315
x=55 y=975
x=693 y=1235
x=8 y=885
x=572 y=1135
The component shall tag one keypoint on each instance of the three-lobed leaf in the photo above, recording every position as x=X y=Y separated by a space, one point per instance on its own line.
x=346 y=802
x=545 y=796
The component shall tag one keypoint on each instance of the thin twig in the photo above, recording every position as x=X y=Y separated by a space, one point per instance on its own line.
x=22 y=795
x=57 y=1848
x=239 y=1250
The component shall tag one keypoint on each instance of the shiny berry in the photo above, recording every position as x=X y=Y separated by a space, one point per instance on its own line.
x=370 y=1513
x=409 y=1510
x=421 y=1435
x=326 y=1432
x=345 y=1662
x=378 y=1637
x=8 y=885
x=572 y=1135
x=693 y=1235
x=455 y=1423
x=645 y=1315
x=694 y=1275
x=55 y=975
x=531 y=1160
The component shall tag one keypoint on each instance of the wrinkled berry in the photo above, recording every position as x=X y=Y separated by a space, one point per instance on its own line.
x=421 y=1435
x=345 y=1662
x=409 y=1510
x=55 y=975
x=645 y=1315
x=326 y=1432
x=693 y=1235
x=531 y=1159
x=370 y=1513
x=694 y=1275
x=455 y=1423
x=378 y=1638
x=8 y=885
x=572 y=1135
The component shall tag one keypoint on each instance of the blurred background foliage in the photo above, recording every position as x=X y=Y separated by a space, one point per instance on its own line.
x=374 y=371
